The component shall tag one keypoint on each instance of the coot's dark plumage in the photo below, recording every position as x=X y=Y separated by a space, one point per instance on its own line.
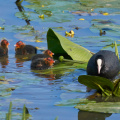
x=42 y=63
x=4 y=48
x=22 y=49
x=104 y=63
x=47 y=53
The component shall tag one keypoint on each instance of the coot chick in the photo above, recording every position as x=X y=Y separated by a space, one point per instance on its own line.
x=46 y=53
x=22 y=49
x=4 y=48
x=42 y=63
x=104 y=63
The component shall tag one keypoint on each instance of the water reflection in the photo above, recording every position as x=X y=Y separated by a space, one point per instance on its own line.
x=50 y=75
x=98 y=98
x=84 y=115
x=56 y=72
x=4 y=61
x=20 y=59
x=21 y=9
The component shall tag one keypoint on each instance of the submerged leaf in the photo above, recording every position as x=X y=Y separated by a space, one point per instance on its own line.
x=62 y=46
x=95 y=81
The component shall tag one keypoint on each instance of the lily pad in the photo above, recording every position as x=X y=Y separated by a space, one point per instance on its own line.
x=62 y=46
x=104 y=107
x=95 y=81
x=109 y=26
x=71 y=102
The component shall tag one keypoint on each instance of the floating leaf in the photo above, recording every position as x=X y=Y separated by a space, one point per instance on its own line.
x=61 y=58
x=109 y=26
x=104 y=107
x=73 y=102
x=95 y=81
x=62 y=46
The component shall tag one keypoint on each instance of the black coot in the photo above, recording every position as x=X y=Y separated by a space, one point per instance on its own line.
x=104 y=63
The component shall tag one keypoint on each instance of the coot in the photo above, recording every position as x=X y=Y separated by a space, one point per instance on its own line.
x=46 y=53
x=4 y=47
x=22 y=49
x=104 y=63
x=42 y=63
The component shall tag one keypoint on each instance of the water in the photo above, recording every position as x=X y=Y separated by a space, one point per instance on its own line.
x=41 y=92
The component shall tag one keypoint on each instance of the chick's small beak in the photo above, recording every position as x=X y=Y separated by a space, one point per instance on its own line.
x=17 y=46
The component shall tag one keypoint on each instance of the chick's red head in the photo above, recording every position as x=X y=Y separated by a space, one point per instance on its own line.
x=19 y=44
x=49 y=61
x=4 y=43
x=48 y=52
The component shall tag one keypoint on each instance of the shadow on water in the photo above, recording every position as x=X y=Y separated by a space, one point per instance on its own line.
x=59 y=70
x=49 y=76
x=20 y=59
x=83 y=115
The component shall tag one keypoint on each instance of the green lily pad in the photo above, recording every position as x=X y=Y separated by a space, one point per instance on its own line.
x=71 y=102
x=108 y=26
x=104 y=107
x=62 y=46
x=95 y=81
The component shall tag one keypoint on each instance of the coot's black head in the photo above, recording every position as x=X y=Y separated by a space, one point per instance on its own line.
x=100 y=63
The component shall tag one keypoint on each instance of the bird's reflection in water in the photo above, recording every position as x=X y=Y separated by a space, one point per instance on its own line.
x=84 y=115
x=4 y=61
x=58 y=70
x=50 y=75
x=20 y=59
